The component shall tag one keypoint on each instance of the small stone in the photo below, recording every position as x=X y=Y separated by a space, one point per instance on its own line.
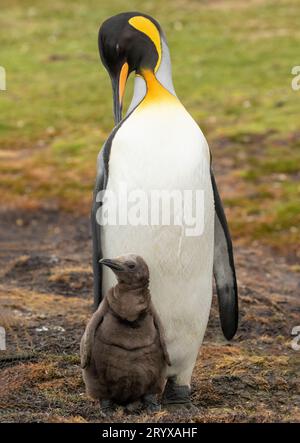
x=58 y=328
x=42 y=329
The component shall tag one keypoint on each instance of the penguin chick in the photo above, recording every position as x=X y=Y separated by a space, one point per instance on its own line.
x=123 y=352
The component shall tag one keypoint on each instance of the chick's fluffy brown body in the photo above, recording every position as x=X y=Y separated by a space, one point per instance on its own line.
x=127 y=357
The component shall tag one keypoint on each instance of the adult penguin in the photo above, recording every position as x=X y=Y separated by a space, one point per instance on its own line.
x=158 y=146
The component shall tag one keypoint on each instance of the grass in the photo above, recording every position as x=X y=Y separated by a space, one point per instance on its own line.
x=232 y=63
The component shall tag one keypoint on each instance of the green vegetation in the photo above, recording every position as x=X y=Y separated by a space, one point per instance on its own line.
x=232 y=64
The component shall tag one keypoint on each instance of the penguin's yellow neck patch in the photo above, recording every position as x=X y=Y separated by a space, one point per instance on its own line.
x=146 y=26
x=155 y=90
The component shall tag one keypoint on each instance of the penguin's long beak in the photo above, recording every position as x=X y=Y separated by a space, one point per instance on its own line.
x=115 y=265
x=118 y=84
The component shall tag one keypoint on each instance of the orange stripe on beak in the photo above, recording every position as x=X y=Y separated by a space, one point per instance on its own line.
x=122 y=82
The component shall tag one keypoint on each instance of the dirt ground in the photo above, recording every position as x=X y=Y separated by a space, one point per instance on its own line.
x=46 y=298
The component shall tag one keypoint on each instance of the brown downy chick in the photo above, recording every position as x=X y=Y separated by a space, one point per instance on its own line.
x=123 y=353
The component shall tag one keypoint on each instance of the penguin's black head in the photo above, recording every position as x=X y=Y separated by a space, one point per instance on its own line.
x=128 y=42
x=129 y=269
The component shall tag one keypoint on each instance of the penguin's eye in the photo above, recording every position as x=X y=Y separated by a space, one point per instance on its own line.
x=131 y=265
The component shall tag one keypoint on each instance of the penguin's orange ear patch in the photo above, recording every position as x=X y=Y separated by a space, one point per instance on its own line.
x=146 y=26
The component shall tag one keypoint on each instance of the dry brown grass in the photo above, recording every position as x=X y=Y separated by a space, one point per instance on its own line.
x=253 y=378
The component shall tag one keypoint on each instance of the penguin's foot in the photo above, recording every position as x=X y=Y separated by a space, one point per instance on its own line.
x=150 y=403
x=107 y=408
x=177 y=397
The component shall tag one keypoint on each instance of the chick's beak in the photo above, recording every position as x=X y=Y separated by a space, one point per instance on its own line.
x=115 y=265
x=119 y=83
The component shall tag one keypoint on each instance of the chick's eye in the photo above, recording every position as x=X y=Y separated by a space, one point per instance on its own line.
x=131 y=265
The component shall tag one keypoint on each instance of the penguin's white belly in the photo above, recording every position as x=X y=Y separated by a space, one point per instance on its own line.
x=162 y=148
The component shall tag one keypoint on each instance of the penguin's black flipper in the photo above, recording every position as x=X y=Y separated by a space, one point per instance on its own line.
x=96 y=240
x=100 y=185
x=224 y=270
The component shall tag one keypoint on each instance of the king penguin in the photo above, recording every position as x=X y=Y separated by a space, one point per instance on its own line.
x=158 y=146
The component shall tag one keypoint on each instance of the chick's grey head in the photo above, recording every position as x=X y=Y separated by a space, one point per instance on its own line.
x=130 y=269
